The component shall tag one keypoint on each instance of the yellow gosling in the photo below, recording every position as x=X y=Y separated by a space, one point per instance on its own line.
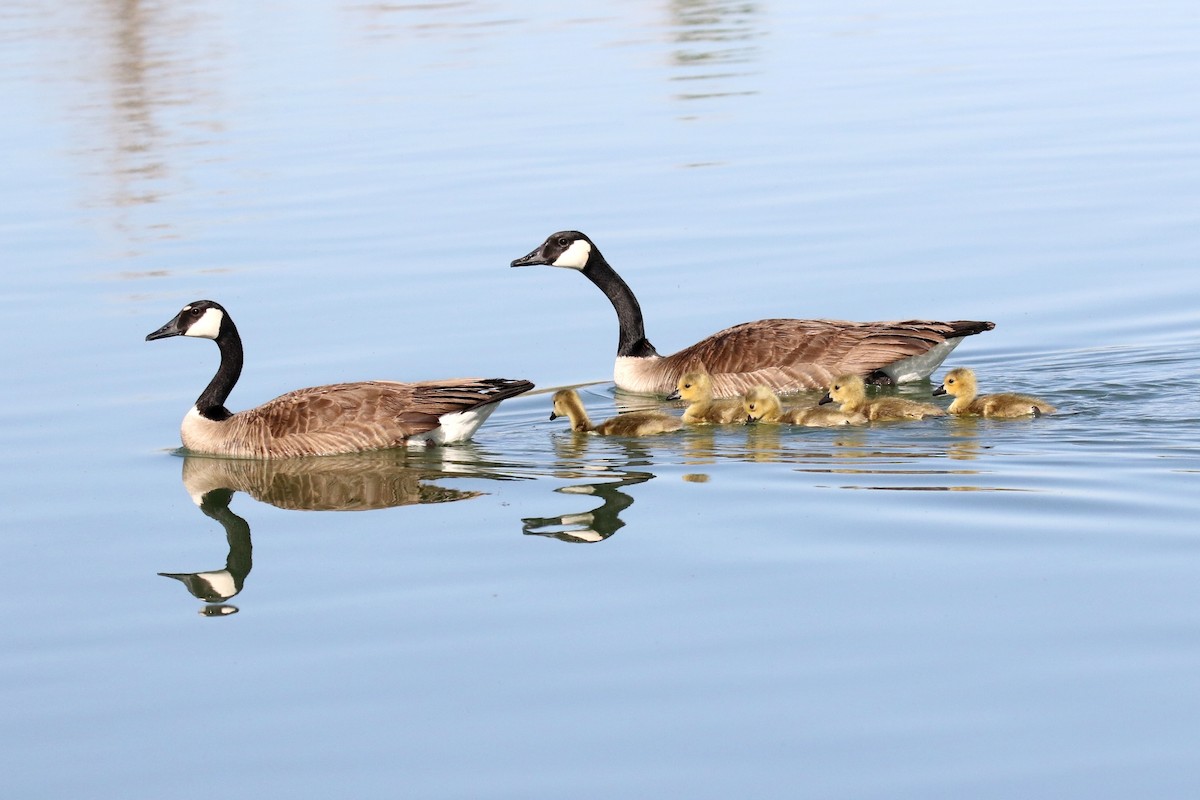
x=762 y=405
x=635 y=423
x=851 y=392
x=960 y=384
x=696 y=389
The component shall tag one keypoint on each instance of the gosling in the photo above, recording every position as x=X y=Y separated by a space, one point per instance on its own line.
x=762 y=405
x=851 y=392
x=635 y=423
x=960 y=384
x=696 y=389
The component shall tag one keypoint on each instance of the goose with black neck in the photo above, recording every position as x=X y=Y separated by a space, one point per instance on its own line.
x=786 y=355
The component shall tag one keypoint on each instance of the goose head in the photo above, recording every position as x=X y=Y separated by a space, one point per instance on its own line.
x=759 y=402
x=957 y=382
x=204 y=319
x=845 y=388
x=570 y=249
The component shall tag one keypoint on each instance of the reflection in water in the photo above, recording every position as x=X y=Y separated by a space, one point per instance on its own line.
x=603 y=477
x=335 y=483
x=332 y=483
x=153 y=81
x=216 y=586
x=713 y=38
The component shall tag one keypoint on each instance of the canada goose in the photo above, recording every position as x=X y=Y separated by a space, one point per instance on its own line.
x=960 y=384
x=633 y=423
x=787 y=355
x=325 y=420
x=851 y=392
x=696 y=389
x=762 y=405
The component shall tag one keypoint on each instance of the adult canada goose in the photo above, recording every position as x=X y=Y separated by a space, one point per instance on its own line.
x=762 y=405
x=696 y=389
x=325 y=420
x=851 y=392
x=961 y=385
x=633 y=423
x=787 y=355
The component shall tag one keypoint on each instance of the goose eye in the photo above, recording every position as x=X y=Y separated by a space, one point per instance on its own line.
x=564 y=242
x=195 y=312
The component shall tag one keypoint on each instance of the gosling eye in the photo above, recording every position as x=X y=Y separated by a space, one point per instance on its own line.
x=950 y=381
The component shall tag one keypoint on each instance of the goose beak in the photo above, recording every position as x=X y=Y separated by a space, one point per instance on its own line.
x=534 y=259
x=674 y=395
x=825 y=398
x=941 y=389
x=172 y=328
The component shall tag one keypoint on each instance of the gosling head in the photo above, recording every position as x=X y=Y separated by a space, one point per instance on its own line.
x=958 y=382
x=693 y=387
x=845 y=388
x=759 y=402
x=566 y=403
x=570 y=249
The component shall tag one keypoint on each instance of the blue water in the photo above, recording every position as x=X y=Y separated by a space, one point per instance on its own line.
x=957 y=608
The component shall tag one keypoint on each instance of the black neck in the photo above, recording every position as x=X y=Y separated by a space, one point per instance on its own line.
x=633 y=340
x=211 y=403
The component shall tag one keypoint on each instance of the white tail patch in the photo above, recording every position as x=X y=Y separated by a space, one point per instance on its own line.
x=915 y=368
x=576 y=256
x=208 y=326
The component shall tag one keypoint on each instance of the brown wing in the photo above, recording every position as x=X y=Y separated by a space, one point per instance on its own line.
x=367 y=415
x=795 y=354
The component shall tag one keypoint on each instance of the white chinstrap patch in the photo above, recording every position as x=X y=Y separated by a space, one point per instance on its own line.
x=221 y=584
x=576 y=256
x=208 y=326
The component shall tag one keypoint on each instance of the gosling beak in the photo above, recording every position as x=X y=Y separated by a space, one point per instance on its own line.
x=674 y=395
x=553 y=415
x=825 y=398
x=941 y=389
x=534 y=259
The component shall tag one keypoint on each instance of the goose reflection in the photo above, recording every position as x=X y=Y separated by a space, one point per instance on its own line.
x=336 y=483
x=603 y=476
x=217 y=586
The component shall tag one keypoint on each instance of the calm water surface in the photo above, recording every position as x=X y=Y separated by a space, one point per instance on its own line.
x=964 y=608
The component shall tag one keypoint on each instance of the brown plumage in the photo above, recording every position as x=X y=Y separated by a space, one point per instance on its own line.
x=633 y=423
x=351 y=482
x=760 y=404
x=696 y=389
x=786 y=355
x=325 y=420
x=960 y=383
x=851 y=392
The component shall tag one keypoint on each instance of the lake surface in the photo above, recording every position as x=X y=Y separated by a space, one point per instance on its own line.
x=957 y=608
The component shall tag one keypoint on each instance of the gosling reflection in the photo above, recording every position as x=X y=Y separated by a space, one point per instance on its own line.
x=215 y=587
x=604 y=476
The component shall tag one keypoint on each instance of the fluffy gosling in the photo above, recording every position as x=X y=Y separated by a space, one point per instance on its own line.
x=635 y=423
x=960 y=384
x=762 y=405
x=696 y=389
x=851 y=392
